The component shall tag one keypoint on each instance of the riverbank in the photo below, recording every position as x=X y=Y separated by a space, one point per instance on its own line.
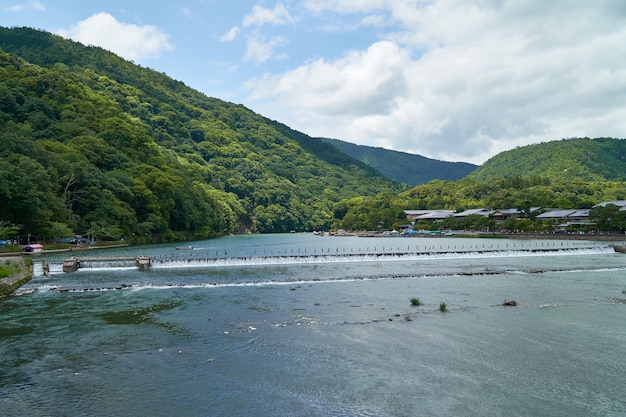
x=5 y=254
x=21 y=274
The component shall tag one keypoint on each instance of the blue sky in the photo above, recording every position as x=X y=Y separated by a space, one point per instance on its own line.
x=458 y=80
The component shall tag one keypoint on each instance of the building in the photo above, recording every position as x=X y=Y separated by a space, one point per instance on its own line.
x=567 y=218
x=434 y=215
x=481 y=212
x=411 y=215
x=619 y=203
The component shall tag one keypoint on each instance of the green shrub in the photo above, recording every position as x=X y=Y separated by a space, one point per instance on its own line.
x=416 y=302
x=443 y=307
x=8 y=268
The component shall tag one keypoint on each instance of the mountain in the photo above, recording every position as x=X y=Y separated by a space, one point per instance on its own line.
x=404 y=167
x=93 y=144
x=600 y=159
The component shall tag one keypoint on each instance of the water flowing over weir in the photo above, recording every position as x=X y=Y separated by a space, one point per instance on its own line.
x=371 y=257
x=207 y=259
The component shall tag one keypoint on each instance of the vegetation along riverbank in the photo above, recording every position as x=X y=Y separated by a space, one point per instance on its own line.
x=14 y=272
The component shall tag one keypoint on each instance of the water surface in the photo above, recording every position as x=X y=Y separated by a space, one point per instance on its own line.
x=297 y=325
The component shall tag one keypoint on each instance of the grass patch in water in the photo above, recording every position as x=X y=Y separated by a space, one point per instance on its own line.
x=416 y=302
x=443 y=307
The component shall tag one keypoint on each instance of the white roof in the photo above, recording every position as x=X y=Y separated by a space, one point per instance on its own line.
x=555 y=214
x=619 y=203
x=508 y=211
x=482 y=211
x=580 y=213
x=437 y=214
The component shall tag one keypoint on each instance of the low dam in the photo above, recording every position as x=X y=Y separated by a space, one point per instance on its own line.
x=74 y=263
x=145 y=263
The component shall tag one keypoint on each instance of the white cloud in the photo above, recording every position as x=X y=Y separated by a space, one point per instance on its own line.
x=346 y=6
x=260 y=16
x=27 y=5
x=260 y=50
x=360 y=84
x=230 y=35
x=463 y=80
x=127 y=40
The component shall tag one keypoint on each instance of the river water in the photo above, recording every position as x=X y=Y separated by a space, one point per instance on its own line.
x=301 y=325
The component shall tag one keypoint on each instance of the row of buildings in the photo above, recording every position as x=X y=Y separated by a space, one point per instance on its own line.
x=562 y=218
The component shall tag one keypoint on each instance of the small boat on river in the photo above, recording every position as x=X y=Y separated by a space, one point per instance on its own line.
x=184 y=248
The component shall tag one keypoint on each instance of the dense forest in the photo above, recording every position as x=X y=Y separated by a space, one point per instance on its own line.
x=600 y=159
x=95 y=145
x=386 y=210
x=404 y=167
x=575 y=173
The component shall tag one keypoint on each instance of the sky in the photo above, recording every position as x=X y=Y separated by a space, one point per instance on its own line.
x=456 y=80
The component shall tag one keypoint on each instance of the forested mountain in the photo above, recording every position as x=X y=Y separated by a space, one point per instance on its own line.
x=566 y=174
x=97 y=145
x=601 y=159
x=405 y=167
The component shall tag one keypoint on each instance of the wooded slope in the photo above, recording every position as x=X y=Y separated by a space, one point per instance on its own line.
x=404 y=167
x=96 y=145
x=600 y=159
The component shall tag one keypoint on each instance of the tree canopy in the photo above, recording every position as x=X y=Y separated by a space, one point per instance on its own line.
x=600 y=159
x=95 y=145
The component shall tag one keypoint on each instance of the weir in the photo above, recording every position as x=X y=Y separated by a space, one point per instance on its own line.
x=141 y=262
x=144 y=263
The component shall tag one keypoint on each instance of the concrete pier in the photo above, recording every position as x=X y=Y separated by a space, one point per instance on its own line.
x=143 y=263
x=71 y=265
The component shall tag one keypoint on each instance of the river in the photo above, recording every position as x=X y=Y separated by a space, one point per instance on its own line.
x=302 y=325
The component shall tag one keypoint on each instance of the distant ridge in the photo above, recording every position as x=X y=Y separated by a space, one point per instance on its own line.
x=405 y=167
x=600 y=159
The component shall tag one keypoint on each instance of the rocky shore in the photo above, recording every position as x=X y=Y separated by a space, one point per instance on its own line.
x=11 y=283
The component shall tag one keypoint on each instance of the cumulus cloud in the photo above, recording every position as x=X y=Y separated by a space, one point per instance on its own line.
x=127 y=40
x=261 y=50
x=261 y=15
x=463 y=80
x=358 y=85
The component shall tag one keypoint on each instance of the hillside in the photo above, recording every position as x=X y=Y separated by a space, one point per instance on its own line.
x=96 y=145
x=404 y=167
x=601 y=159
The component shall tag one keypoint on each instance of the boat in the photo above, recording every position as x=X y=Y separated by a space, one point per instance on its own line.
x=184 y=247
x=31 y=249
